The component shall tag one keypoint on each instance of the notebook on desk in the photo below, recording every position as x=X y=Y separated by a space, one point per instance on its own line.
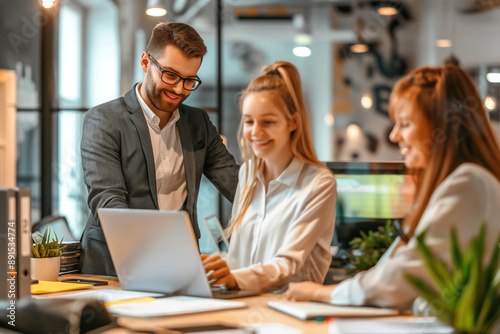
x=156 y=251
x=313 y=310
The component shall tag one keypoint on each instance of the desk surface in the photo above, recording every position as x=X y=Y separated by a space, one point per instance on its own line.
x=257 y=312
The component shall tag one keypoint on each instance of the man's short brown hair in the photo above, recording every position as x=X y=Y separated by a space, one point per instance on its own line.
x=180 y=35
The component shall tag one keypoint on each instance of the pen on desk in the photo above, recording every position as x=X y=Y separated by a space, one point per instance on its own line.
x=328 y=319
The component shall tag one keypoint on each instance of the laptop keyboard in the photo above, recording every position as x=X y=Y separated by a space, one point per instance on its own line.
x=229 y=294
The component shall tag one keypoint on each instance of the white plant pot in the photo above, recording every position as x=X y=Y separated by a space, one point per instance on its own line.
x=46 y=268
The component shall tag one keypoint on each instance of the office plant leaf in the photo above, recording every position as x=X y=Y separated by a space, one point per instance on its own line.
x=371 y=246
x=44 y=247
x=469 y=294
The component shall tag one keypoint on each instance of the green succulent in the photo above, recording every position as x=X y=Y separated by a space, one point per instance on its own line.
x=43 y=247
x=468 y=295
x=370 y=247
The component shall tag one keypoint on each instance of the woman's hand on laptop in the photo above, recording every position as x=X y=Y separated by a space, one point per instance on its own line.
x=218 y=271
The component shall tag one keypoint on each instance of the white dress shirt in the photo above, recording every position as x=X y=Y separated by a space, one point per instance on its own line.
x=169 y=161
x=285 y=234
x=466 y=198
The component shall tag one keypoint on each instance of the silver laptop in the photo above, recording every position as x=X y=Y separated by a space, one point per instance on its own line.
x=157 y=251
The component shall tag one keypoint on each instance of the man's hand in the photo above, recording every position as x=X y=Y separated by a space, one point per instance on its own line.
x=219 y=271
x=309 y=291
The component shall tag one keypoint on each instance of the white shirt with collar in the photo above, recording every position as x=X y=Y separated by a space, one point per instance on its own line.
x=285 y=234
x=169 y=160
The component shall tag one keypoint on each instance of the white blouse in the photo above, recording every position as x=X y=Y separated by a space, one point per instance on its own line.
x=466 y=198
x=285 y=235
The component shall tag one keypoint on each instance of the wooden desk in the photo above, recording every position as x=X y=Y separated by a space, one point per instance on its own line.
x=257 y=312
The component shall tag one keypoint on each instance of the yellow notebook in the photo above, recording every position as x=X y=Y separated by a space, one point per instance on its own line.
x=55 y=286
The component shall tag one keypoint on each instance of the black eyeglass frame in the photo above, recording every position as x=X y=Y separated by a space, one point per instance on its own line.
x=196 y=82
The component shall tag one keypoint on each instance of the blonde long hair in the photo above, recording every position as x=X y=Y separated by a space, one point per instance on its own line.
x=282 y=81
x=450 y=102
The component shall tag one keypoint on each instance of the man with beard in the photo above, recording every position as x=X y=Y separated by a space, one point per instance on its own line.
x=147 y=150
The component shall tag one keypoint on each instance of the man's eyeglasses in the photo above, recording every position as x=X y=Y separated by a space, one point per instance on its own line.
x=171 y=78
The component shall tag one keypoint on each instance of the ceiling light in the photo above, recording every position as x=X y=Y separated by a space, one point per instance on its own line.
x=490 y=103
x=48 y=3
x=366 y=102
x=329 y=119
x=443 y=43
x=301 y=51
x=302 y=39
x=387 y=10
x=359 y=48
x=360 y=45
x=493 y=77
x=156 y=8
x=353 y=131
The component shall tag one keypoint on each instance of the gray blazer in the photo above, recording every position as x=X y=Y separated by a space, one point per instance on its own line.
x=119 y=168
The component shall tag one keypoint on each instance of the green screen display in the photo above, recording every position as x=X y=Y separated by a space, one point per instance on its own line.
x=377 y=196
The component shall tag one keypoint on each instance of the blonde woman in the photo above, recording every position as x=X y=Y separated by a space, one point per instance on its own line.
x=284 y=213
x=447 y=141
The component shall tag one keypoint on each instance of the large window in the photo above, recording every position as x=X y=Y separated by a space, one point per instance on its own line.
x=69 y=175
x=87 y=76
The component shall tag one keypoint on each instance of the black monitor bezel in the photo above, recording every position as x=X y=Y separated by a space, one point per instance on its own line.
x=346 y=228
x=367 y=167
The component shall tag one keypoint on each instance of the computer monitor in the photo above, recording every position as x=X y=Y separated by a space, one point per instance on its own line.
x=369 y=194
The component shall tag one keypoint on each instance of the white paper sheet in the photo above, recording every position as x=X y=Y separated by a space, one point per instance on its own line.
x=172 y=306
x=110 y=295
x=428 y=325
x=274 y=328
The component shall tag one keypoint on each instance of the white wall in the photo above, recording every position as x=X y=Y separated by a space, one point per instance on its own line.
x=475 y=37
x=274 y=42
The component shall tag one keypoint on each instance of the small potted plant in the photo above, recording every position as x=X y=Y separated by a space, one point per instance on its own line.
x=367 y=249
x=46 y=256
x=468 y=295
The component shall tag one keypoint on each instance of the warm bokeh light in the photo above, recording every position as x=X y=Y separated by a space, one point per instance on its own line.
x=443 y=43
x=329 y=119
x=353 y=132
x=48 y=3
x=387 y=11
x=490 y=103
x=366 y=102
x=359 y=48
